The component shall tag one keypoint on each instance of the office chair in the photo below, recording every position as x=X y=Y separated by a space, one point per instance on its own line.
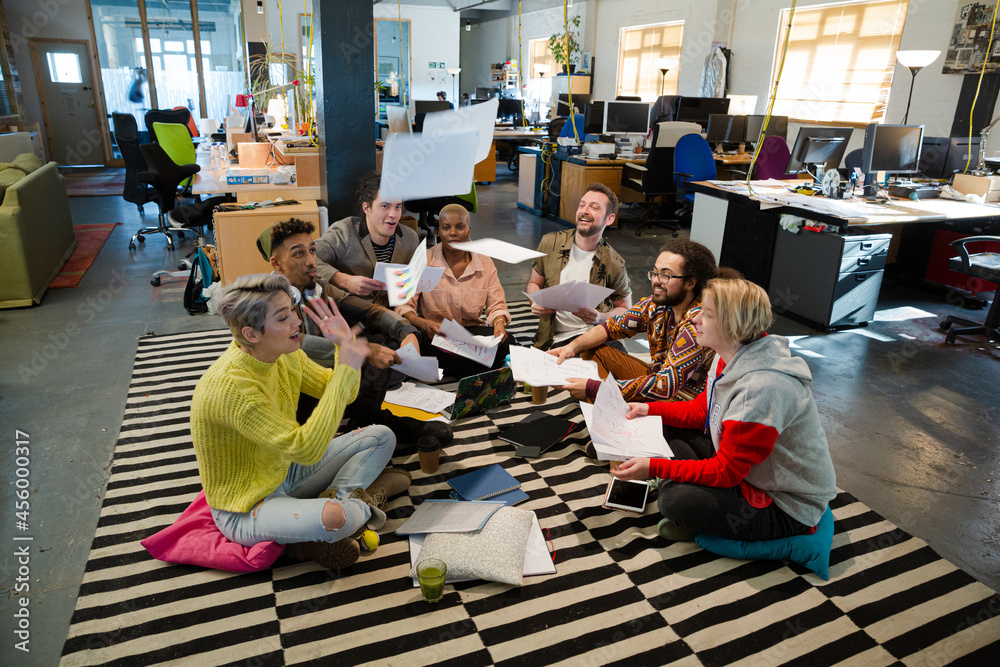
x=164 y=175
x=628 y=98
x=985 y=266
x=179 y=116
x=773 y=160
x=655 y=178
x=853 y=159
x=429 y=209
x=127 y=139
x=175 y=141
x=693 y=161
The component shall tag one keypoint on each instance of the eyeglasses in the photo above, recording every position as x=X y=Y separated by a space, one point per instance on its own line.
x=663 y=277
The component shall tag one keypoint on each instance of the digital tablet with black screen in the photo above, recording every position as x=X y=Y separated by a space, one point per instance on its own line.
x=628 y=495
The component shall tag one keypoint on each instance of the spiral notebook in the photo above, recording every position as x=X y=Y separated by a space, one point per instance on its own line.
x=487 y=483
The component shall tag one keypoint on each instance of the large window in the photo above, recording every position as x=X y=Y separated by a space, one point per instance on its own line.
x=840 y=61
x=643 y=52
x=539 y=79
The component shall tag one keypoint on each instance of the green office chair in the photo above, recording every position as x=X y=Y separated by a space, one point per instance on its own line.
x=175 y=139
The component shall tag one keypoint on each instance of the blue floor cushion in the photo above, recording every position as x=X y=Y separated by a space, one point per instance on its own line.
x=812 y=551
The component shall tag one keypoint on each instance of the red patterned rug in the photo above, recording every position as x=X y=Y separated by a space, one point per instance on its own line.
x=90 y=240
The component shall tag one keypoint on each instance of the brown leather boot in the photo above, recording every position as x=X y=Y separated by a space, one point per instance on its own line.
x=331 y=555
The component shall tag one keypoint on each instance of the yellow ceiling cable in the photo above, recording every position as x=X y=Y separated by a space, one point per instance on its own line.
x=520 y=65
x=569 y=75
x=986 y=59
x=774 y=96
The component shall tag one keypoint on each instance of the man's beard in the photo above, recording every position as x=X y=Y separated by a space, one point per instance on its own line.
x=669 y=300
x=593 y=231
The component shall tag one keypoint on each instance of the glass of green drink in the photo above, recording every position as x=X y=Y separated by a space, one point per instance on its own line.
x=431 y=574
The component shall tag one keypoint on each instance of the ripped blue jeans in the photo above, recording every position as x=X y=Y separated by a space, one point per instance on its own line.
x=293 y=513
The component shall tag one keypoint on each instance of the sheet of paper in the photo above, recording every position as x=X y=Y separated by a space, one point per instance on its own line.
x=421 y=397
x=402 y=288
x=539 y=369
x=570 y=296
x=900 y=314
x=478 y=118
x=456 y=339
x=425 y=369
x=613 y=433
x=448 y=516
x=537 y=559
x=505 y=252
x=428 y=279
x=422 y=166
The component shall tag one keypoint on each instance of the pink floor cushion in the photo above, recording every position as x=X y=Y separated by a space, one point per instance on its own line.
x=194 y=539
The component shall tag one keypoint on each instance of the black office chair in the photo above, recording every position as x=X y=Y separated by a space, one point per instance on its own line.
x=179 y=116
x=656 y=177
x=127 y=138
x=985 y=266
x=851 y=160
x=164 y=175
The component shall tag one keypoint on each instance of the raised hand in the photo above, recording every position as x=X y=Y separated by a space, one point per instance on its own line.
x=326 y=315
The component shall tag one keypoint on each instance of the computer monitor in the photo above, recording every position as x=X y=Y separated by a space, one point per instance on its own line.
x=430 y=106
x=698 y=109
x=511 y=109
x=626 y=118
x=777 y=126
x=593 y=118
x=892 y=148
x=485 y=93
x=742 y=105
x=819 y=145
x=579 y=103
x=959 y=150
x=934 y=156
x=726 y=129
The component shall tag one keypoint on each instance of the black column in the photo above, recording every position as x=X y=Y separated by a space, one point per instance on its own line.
x=345 y=99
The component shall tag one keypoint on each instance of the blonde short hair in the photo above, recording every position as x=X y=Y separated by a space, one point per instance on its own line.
x=742 y=308
x=244 y=302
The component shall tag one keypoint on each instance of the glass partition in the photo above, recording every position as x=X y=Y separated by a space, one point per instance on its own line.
x=392 y=63
x=221 y=55
x=122 y=59
x=171 y=46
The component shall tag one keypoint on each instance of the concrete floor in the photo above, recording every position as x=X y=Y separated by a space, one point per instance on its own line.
x=912 y=423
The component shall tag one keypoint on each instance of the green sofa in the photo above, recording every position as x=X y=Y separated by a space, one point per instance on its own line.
x=36 y=234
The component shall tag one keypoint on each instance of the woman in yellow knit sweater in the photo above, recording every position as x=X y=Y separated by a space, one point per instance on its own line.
x=263 y=472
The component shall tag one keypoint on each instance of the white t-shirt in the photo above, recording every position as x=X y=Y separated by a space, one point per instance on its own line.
x=577 y=268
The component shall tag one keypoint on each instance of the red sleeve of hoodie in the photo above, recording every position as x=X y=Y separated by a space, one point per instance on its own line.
x=743 y=444
x=682 y=414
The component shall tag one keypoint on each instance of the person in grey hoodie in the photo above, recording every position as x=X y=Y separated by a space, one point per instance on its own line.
x=766 y=472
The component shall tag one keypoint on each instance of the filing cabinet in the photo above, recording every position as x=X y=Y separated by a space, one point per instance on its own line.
x=831 y=279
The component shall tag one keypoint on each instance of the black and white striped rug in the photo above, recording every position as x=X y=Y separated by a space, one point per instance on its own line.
x=620 y=594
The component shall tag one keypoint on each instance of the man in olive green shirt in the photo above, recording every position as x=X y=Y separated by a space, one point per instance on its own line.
x=580 y=254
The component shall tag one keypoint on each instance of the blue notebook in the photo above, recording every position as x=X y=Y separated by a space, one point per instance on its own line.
x=489 y=483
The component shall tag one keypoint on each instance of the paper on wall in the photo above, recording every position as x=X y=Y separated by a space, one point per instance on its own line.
x=571 y=296
x=426 y=165
x=425 y=369
x=539 y=369
x=505 y=252
x=455 y=338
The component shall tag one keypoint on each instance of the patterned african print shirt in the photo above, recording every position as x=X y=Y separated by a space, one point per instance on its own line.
x=677 y=359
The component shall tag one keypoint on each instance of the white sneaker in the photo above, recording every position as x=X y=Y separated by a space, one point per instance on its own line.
x=174 y=223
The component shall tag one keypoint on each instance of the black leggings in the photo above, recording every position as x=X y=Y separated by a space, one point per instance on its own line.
x=717 y=511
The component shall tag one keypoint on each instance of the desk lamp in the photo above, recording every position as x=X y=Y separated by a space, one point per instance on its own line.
x=981 y=168
x=914 y=61
x=453 y=71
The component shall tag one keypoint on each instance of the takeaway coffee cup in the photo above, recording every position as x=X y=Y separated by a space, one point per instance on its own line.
x=428 y=450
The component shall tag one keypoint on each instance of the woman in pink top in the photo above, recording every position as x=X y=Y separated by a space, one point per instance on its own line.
x=469 y=293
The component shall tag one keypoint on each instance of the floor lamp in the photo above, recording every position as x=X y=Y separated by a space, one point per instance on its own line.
x=914 y=61
x=454 y=95
x=665 y=65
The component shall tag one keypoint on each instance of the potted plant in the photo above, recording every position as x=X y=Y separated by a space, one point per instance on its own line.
x=565 y=46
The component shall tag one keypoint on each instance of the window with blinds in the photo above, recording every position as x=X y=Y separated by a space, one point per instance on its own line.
x=642 y=51
x=539 y=85
x=840 y=61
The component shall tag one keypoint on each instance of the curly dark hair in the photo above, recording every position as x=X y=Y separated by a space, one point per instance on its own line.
x=699 y=263
x=368 y=188
x=281 y=231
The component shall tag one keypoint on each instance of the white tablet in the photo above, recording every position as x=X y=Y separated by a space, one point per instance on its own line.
x=628 y=495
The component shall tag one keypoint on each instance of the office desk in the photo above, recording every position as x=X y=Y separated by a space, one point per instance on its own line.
x=212 y=182
x=508 y=140
x=743 y=235
x=577 y=173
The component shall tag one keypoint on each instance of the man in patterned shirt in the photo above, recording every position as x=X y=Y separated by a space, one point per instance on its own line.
x=681 y=270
